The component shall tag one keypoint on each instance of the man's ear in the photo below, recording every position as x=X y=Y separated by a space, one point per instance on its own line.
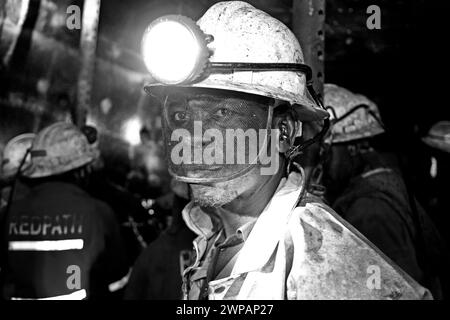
x=286 y=125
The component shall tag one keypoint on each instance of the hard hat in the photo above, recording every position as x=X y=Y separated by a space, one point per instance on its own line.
x=59 y=148
x=353 y=116
x=14 y=153
x=236 y=32
x=439 y=136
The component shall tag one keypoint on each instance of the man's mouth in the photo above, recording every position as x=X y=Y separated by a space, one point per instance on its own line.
x=202 y=168
x=202 y=171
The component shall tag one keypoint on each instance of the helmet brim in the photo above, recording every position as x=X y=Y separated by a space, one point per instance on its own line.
x=305 y=108
x=357 y=134
x=47 y=169
x=437 y=144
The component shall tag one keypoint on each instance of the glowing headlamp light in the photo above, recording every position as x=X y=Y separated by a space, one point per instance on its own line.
x=174 y=50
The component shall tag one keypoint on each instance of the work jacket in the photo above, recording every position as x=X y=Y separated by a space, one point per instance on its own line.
x=62 y=244
x=157 y=273
x=378 y=204
x=296 y=252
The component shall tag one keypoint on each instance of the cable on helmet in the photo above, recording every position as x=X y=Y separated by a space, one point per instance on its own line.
x=353 y=110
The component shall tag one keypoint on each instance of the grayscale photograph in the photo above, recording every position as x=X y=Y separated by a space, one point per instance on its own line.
x=256 y=151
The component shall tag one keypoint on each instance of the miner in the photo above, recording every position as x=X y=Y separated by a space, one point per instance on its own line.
x=62 y=244
x=365 y=186
x=239 y=72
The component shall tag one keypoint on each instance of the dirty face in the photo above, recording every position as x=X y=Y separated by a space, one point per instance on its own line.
x=221 y=193
x=219 y=141
x=212 y=134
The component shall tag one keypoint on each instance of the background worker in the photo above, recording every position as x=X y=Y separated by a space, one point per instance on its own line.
x=438 y=142
x=366 y=188
x=12 y=158
x=157 y=274
x=62 y=243
x=15 y=158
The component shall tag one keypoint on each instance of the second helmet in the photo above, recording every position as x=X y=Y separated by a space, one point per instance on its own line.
x=57 y=149
x=353 y=116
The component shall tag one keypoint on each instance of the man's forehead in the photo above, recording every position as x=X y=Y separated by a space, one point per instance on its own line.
x=192 y=93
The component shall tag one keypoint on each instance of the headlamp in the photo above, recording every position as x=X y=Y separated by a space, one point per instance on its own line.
x=174 y=50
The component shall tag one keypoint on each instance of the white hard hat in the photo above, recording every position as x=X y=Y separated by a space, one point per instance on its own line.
x=14 y=153
x=243 y=34
x=353 y=116
x=439 y=136
x=57 y=149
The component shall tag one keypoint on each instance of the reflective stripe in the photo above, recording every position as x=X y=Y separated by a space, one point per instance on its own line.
x=49 y=245
x=433 y=168
x=77 y=295
x=119 y=284
x=375 y=171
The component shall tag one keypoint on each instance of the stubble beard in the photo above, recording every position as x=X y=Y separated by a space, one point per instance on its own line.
x=214 y=196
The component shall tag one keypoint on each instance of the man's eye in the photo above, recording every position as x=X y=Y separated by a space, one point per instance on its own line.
x=223 y=112
x=179 y=116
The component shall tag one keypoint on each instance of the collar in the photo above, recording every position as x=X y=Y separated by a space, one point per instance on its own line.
x=203 y=225
x=244 y=231
x=241 y=235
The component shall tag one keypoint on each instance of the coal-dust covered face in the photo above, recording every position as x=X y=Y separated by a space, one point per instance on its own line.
x=221 y=193
x=218 y=141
